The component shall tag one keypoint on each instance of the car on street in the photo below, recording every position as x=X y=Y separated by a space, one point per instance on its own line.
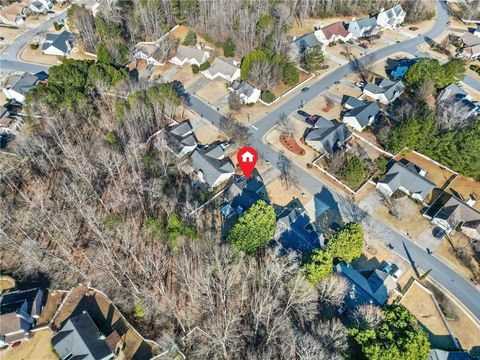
x=305 y=89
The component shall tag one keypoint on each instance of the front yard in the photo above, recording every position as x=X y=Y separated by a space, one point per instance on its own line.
x=38 y=347
x=213 y=91
x=465 y=187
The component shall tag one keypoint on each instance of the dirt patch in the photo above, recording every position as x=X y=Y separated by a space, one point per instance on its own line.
x=38 y=347
x=421 y=304
x=54 y=299
x=289 y=142
x=438 y=175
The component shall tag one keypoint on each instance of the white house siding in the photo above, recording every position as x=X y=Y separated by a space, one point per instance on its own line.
x=352 y=121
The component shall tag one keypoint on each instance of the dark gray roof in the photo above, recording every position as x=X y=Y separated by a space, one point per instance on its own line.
x=330 y=134
x=245 y=192
x=390 y=88
x=455 y=211
x=58 y=41
x=364 y=113
x=81 y=339
x=24 y=83
x=30 y=301
x=436 y=354
x=212 y=163
x=242 y=87
x=353 y=102
x=307 y=41
x=405 y=176
x=469 y=39
x=179 y=136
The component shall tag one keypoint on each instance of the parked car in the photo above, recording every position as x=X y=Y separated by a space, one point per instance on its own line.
x=438 y=233
x=303 y=113
x=305 y=89
x=364 y=45
x=312 y=119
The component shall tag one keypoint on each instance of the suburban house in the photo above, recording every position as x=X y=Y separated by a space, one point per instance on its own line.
x=471 y=43
x=223 y=69
x=190 y=55
x=391 y=18
x=361 y=113
x=58 y=44
x=295 y=229
x=384 y=90
x=9 y=118
x=41 y=6
x=307 y=41
x=408 y=178
x=456 y=93
x=333 y=32
x=212 y=166
x=327 y=136
x=80 y=338
x=371 y=288
x=179 y=138
x=457 y=215
x=247 y=92
x=18 y=85
x=18 y=313
x=242 y=194
x=151 y=53
x=362 y=28
x=13 y=14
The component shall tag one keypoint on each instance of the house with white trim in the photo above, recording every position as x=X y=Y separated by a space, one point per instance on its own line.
x=223 y=69
x=361 y=113
x=189 y=55
x=150 y=53
x=13 y=14
x=384 y=90
x=247 y=92
x=18 y=85
x=391 y=18
x=58 y=44
x=41 y=6
x=212 y=166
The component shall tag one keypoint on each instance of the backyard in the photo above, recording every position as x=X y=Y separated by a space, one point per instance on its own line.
x=38 y=347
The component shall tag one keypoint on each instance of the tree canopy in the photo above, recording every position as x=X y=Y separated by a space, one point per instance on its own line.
x=318 y=266
x=441 y=74
x=314 y=58
x=254 y=229
x=347 y=244
x=229 y=48
x=397 y=337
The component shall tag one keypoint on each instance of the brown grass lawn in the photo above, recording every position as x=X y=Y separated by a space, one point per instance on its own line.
x=283 y=88
x=466 y=186
x=36 y=56
x=280 y=195
x=435 y=173
x=54 y=299
x=180 y=32
x=36 y=348
x=185 y=75
x=318 y=105
x=6 y=282
x=421 y=304
x=205 y=132
x=213 y=90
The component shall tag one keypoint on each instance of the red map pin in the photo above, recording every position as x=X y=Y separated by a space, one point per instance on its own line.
x=247 y=158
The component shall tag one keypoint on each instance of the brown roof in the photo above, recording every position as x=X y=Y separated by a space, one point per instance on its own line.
x=11 y=11
x=112 y=340
x=335 y=29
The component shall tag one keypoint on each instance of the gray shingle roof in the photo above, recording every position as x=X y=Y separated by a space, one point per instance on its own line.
x=404 y=175
x=179 y=136
x=390 y=88
x=364 y=113
x=455 y=211
x=353 y=102
x=24 y=83
x=58 y=41
x=81 y=339
x=212 y=163
x=330 y=134
x=307 y=41
x=220 y=66
x=360 y=27
x=242 y=87
x=469 y=39
x=189 y=52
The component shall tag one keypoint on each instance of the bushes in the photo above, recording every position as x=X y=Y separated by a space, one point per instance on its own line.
x=195 y=68
x=267 y=96
x=190 y=39
x=318 y=266
x=176 y=229
x=290 y=74
x=204 y=66
x=34 y=46
x=229 y=48
x=57 y=26
x=475 y=68
x=353 y=171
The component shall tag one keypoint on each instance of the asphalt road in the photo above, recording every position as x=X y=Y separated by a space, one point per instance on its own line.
x=464 y=291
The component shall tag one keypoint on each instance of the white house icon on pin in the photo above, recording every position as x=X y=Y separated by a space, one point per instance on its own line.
x=247 y=157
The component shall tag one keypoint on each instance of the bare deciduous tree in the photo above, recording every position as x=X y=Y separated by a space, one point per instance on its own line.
x=452 y=114
x=367 y=316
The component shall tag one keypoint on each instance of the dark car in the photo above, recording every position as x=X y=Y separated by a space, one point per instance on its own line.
x=312 y=119
x=303 y=113
x=438 y=233
x=305 y=89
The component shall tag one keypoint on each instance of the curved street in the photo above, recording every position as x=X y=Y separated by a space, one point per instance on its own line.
x=462 y=289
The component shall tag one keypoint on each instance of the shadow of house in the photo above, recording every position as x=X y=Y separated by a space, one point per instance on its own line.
x=437 y=354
